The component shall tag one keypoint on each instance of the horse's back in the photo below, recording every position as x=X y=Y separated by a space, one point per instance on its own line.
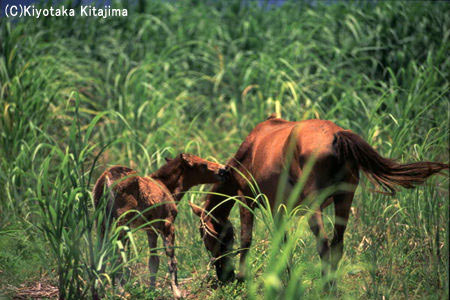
x=146 y=195
x=315 y=137
x=270 y=141
x=267 y=149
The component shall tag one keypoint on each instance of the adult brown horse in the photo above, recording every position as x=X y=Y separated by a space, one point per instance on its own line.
x=338 y=156
x=156 y=198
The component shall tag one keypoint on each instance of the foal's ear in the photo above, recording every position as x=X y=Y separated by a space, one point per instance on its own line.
x=187 y=159
x=167 y=159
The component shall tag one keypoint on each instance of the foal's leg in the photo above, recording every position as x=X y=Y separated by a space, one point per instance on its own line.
x=247 y=220
x=122 y=252
x=342 y=205
x=169 y=243
x=316 y=225
x=153 y=261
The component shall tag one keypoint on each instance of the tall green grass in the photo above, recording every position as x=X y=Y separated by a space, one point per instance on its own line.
x=80 y=94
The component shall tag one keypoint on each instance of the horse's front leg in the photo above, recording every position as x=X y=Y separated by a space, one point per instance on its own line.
x=169 y=244
x=247 y=220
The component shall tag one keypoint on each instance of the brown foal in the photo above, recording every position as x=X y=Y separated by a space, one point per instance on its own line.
x=338 y=156
x=155 y=198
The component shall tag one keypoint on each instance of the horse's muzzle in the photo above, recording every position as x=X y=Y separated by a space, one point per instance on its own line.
x=225 y=272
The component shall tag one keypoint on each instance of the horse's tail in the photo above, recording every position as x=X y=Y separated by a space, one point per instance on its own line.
x=384 y=172
x=104 y=183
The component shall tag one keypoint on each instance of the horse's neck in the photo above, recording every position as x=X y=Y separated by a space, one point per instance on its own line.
x=178 y=188
x=183 y=185
x=171 y=175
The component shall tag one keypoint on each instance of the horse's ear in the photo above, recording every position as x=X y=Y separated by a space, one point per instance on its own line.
x=167 y=159
x=187 y=159
x=196 y=209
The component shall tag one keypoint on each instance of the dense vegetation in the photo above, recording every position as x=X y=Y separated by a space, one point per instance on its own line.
x=80 y=94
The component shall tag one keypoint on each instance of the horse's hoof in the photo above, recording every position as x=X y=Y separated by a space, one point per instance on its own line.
x=177 y=295
x=225 y=277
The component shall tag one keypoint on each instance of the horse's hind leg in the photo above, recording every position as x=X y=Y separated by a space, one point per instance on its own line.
x=342 y=205
x=316 y=225
x=153 y=261
x=169 y=243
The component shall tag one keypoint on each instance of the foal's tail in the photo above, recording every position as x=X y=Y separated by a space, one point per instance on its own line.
x=384 y=172
x=104 y=183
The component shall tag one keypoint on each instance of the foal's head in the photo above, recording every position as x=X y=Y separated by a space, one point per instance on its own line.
x=196 y=170
x=181 y=173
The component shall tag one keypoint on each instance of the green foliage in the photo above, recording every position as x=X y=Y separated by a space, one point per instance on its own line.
x=80 y=94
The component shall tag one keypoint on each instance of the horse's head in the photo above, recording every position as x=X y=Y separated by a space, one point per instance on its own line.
x=218 y=236
x=197 y=170
x=218 y=239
